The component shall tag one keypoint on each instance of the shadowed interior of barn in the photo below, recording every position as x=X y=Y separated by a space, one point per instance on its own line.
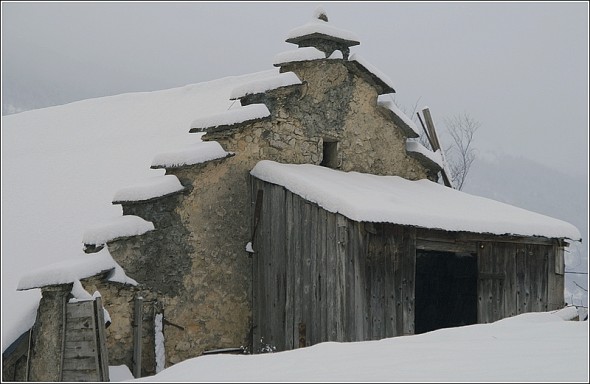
x=446 y=290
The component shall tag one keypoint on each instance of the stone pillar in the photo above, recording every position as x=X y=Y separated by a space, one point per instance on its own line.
x=47 y=338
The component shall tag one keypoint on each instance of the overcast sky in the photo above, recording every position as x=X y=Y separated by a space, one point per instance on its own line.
x=520 y=69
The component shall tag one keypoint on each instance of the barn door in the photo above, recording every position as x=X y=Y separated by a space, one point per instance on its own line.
x=84 y=348
x=491 y=283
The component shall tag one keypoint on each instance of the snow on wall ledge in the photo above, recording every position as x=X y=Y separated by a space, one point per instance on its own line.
x=150 y=188
x=190 y=155
x=260 y=86
x=299 y=54
x=122 y=226
x=414 y=146
x=371 y=68
x=230 y=117
x=393 y=108
x=421 y=203
x=75 y=269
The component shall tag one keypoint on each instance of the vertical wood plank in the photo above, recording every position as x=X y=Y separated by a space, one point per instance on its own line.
x=322 y=280
x=483 y=285
x=262 y=255
x=278 y=241
x=331 y=271
x=306 y=270
x=269 y=264
x=297 y=263
x=254 y=186
x=103 y=358
x=555 y=299
x=360 y=308
x=340 y=305
x=290 y=272
x=351 y=255
x=390 y=302
x=510 y=303
x=521 y=283
x=409 y=273
x=398 y=242
x=314 y=326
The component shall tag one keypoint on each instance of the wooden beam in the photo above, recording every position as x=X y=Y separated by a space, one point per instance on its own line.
x=431 y=129
x=425 y=130
x=436 y=146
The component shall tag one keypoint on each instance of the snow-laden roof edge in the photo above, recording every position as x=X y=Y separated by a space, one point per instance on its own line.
x=122 y=226
x=244 y=114
x=149 y=188
x=406 y=123
x=414 y=147
x=68 y=271
x=421 y=203
x=197 y=153
x=373 y=70
x=298 y=54
x=260 y=86
x=320 y=27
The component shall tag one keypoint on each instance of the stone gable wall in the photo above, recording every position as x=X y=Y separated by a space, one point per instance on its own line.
x=205 y=229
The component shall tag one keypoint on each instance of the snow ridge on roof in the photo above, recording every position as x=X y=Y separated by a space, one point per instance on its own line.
x=259 y=86
x=299 y=54
x=372 y=69
x=321 y=27
x=149 y=188
x=69 y=271
x=122 y=226
x=435 y=157
x=231 y=117
x=196 y=153
x=421 y=203
x=393 y=108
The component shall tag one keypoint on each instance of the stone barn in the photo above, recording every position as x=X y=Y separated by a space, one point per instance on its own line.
x=222 y=253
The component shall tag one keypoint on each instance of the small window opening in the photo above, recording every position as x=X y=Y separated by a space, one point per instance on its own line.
x=330 y=154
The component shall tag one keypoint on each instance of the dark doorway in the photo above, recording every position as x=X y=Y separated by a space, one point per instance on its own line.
x=446 y=290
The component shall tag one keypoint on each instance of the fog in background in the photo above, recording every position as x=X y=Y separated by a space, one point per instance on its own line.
x=521 y=69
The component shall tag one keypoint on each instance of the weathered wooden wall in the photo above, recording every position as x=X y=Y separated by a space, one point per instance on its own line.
x=319 y=276
x=14 y=359
x=85 y=356
x=516 y=278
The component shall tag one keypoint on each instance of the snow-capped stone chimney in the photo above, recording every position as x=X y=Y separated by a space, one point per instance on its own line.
x=323 y=36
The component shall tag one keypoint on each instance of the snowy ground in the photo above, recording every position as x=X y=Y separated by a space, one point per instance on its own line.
x=533 y=347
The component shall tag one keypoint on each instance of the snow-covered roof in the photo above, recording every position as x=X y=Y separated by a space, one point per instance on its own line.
x=243 y=114
x=320 y=28
x=259 y=86
x=152 y=187
x=421 y=152
x=196 y=153
x=375 y=72
x=421 y=203
x=303 y=54
x=403 y=121
x=122 y=226
x=67 y=272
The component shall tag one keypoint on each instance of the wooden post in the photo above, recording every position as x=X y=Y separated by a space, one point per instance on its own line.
x=137 y=337
x=435 y=144
x=103 y=359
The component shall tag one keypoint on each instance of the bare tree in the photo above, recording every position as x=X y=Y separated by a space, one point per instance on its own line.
x=460 y=154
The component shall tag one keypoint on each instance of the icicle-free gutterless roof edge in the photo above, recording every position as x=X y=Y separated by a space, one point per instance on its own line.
x=420 y=203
